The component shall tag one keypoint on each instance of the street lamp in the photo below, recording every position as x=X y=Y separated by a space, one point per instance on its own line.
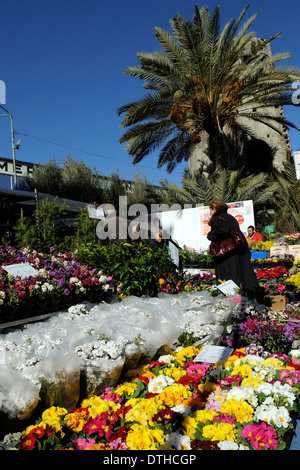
x=13 y=144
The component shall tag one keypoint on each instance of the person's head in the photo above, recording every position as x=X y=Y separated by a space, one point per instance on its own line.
x=135 y=232
x=251 y=230
x=159 y=235
x=136 y=228
x=108 y=209
x=217 y=205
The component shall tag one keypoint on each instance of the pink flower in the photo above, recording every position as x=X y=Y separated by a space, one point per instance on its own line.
x=82 y=444
x=213 y=405
x=224 y=418
x=280 y=288
x=198 y=370
x=261 y=436
x=290 y=376
x=230 y=380
x=237 y=298
x=117 y=445
x=109 y=395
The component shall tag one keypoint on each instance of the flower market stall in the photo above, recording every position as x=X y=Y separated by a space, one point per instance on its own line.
x=135 y=374
x=59 y=281
x=166 y=399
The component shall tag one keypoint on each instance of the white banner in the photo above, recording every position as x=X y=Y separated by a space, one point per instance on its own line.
x=297 y=163
x=189 y=227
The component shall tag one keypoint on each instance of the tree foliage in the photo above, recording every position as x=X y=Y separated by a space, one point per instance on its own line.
x=286 y=198
x=204 y=79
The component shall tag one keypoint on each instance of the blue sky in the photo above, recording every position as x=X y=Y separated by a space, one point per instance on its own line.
x=62 y=62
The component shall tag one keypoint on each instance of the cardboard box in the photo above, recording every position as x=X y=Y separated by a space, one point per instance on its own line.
x=278 y=250
x=294 y=250
x=279 y=302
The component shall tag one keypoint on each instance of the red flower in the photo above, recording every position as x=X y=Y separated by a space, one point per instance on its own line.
x=28 y=442
x=154 y=364
x=21 y=294
x=122 y=411
x=238 y=353
x=189 y=380
x=292 y=364
x=121 y=433
x=142 y=379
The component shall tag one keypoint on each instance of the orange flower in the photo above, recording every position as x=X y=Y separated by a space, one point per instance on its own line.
x=161 y=281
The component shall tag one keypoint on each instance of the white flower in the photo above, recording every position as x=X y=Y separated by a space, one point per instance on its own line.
x=231 y=445
x=295 y=352
x=248 y=394
x=182 y=409
x=11 y=441
x=265 y=388
x=157 y=384
x=273 y=415
x=167 y=358
x=228 y=445
x=236 y=393
x=178 y=441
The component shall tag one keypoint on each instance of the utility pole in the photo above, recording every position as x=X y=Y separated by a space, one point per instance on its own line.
x=12 y=143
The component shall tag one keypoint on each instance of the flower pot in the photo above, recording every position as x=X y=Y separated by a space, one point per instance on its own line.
x=279 y=302
x=8 y=313
x=40 y=306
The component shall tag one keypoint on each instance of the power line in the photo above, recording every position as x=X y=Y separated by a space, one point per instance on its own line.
x=85 y=151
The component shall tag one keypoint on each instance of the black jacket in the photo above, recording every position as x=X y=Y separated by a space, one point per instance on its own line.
x=236 y=266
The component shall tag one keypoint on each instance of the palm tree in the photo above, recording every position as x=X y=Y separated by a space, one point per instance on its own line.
x=204 y=80
x=227 y=185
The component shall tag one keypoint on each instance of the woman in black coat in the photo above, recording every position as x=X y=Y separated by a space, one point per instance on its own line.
x=237 y=265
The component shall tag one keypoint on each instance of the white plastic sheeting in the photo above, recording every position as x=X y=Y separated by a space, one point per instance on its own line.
x=44 y=361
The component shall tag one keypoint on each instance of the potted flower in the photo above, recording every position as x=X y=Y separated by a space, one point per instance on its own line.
x=209 y=261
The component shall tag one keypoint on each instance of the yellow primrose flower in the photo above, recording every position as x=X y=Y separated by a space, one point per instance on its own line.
x=148 y=375
x=141 y=437
x=127 y=387
x=273 y=361
x=242 y=411
x=174 y=395
x=53 y=416
x=230 y=360
x=29 y=428
x=97 y=405
x=186 y=353
x=220 y=432
x=204 y=415
x=251 y=382
x=190 y=423
x=244 y=370
x=207 y=387
x=92 y=400
x=77 y=420
x=54 y=411
x=142 y=411
x=175 y=372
